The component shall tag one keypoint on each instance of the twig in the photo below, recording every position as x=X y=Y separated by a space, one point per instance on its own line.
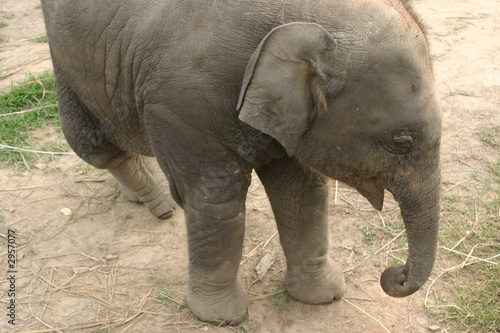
x=90 y=180
x=366 y=313
x=449 y=188
x=21 y=188
x=336 y=191
x=4 y=75
x=150 y=231
x=171 y=298
x=467 y=233
x=75 y=275
x=24 y=161
x=267 y=242
x=359 y=264
x=382 y=218
x=260 y=210
x=36 y=151
x=87 y=256
x=264 y=296
x=44 y=323
x=43 y=280
x=383 y=247
x=131 y=320
x=143 y=300
x=73 y=328
x=251 y=253
x=25 y=111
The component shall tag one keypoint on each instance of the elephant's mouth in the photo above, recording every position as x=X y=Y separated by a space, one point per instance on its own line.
x=373 y=190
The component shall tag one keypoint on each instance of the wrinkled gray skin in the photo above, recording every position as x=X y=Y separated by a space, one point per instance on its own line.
x=214 y=89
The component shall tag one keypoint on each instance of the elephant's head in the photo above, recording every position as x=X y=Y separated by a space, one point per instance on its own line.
x=362 y=109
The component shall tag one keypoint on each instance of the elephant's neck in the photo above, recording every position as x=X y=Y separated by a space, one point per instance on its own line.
x=258 y=148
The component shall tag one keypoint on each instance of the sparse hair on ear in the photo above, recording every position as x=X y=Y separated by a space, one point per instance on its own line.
x=286 y=81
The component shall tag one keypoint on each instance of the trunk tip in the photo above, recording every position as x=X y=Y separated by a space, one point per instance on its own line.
x=394 y=282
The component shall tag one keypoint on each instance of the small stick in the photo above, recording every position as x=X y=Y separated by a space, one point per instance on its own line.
x=382 y=218
x=143 y=300
x=26 y=111
x=467 y=233
x=264 y=296
x=87 y=256
x=251 y=253
x=24 y=161
x=74 y=328
x=366 y=313
x=74 y=277
x=359 y=264
x=21 y=188
x=150 y=231
x=267 y=242
x=260 y=210
x=336 y=191
x=44 y=323
x=36 y=151
x=90 y=180
x=360 y=299
x=23 y=67
x=449 y=188
x=173 y=299
x=383 y=247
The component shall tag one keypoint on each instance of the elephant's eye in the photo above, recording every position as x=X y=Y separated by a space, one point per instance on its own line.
x=400 y=143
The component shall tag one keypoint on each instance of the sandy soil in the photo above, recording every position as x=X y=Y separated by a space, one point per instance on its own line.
x=102 y=268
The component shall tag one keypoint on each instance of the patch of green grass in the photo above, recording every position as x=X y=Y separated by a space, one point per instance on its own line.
x=168 y=298
x=3 y=24
x=83 y=168
x=42 y=39
x=495 y=169
x=5 y=15
x=57 y=147
x=156 y=280
x=474 y=306
x=104 y=330
x=395 y=261
x=369 y=235
x=491 y=136
x=281 y=301
x=248 y=326
x=469 y=297
x=38 y=92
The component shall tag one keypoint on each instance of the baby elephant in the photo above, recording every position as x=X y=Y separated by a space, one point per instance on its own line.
x=200 y=93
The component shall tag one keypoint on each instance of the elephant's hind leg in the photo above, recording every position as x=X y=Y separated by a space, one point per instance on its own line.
x=141 y=180
x=140 y=177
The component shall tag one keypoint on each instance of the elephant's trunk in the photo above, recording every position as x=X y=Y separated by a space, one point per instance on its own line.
x=419 y=203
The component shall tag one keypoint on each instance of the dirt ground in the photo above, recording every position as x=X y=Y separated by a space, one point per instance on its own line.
x=112 y=267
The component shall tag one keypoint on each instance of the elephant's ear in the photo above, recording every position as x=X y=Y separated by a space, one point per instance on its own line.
x=286 y=82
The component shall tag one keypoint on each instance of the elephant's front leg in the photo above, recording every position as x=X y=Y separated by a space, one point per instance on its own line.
x=215 y=217
x=299 y=199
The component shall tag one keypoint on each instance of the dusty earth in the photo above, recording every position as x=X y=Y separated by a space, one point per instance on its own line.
x=112 y=267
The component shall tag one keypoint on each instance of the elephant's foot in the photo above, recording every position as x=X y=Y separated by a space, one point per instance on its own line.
x=219 y=307
x=316 y=281
x=161 y=205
